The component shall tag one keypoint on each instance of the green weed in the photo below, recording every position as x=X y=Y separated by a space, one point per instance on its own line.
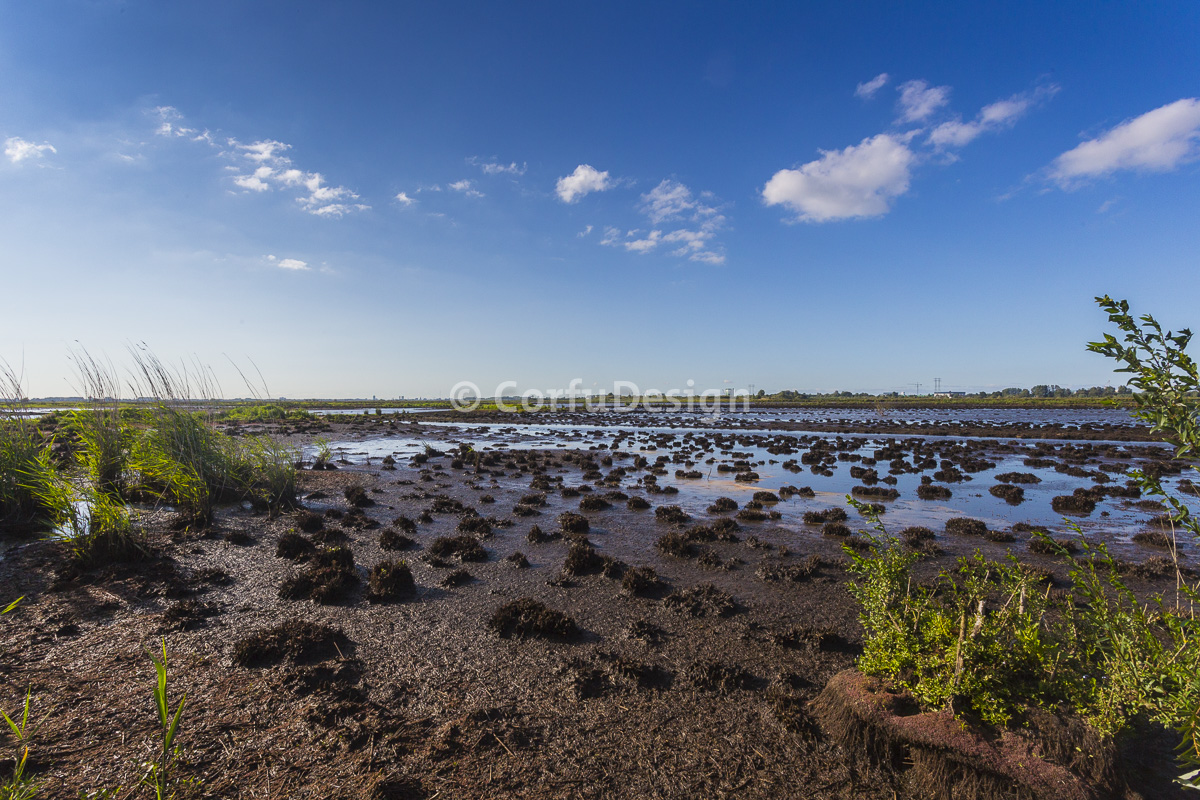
x=20 y=446
x=160 y=775
x=19 y=786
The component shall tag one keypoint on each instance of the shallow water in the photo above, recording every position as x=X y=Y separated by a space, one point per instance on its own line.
x=1114 y=521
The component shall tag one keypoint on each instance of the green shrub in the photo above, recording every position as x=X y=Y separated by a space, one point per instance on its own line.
x=264 y=412
x=102 y=434
x=94 y=526
x=104 y=442
x=988 y=637
x=21 y=444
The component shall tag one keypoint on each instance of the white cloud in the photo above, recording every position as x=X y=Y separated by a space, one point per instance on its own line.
x=405 y=200
x=708 y=257
x=257 y=181
x=859 y=181
x=1157 y=141
x=269 y=168
x=697 y=223
x=584 y=180
x=18 y=149
x=867 y=90
x=467 y=188
x=993 y=117
x=265 y=151
x=585 y=232
x=644 y=245
x=918 y=100
x=496 y=168
x=293 y=264
x=275 y=170
x=671 y=200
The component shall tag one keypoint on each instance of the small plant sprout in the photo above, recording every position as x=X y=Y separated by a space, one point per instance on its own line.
x=159 y=774
x=19 y=786
x=13 y=605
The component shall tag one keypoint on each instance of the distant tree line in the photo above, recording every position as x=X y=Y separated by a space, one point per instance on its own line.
x=1042 y=390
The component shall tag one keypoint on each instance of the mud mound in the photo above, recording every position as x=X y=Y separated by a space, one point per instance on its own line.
x=1049 y=546
x=537 y=536
x=295 y=641
x=570 y=522
x=309 y=521
x=878 y=492
x=829 y=515
x=1152 y=538
x=722 y=504
x=594 y=503
x=790 y=573
x=458 y=577
x=1078 y=503
x=294 y=547
x=671 y=514
x=357 y=497
x=704 y=600
x=965 y=526
x=929 y=491
x=390 y=539
x=1013 y=495
x=643 y=582
x=328 y=579
x=712 y=676
x=837 y=529
x=1018 y=477
x=933 y=754
x=917 y=535
x=465 y=548
x=676 y=544
x=582 y=559
x=389 y=581
x=527 y=618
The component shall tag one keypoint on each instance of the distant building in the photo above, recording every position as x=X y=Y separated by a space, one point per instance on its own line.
x=949 y=394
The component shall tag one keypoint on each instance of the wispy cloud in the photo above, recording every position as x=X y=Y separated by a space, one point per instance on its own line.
x=291 y=264
x=918 y=100
x=867 y=90
x=268 y=168
x=686 y=224
x=403 y=199
x=994 y=117
x=859 y=181
x=583 y=181
x=466 y=187
x=170 y=123
x=1158 y=141
x=17 y=149
x=497 y=168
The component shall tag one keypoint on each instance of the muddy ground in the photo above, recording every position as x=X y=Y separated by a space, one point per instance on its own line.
x=695 y=687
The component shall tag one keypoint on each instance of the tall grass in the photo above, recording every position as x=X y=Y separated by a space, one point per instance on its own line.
x=103 y=437
x=272 y=467
x=20 y=446
x=95 y=526
x=183 y=456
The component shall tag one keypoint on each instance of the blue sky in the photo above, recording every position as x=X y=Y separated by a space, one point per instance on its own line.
x=385 y=201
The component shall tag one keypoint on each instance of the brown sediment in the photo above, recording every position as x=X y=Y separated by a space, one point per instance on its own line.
x=690 y=677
